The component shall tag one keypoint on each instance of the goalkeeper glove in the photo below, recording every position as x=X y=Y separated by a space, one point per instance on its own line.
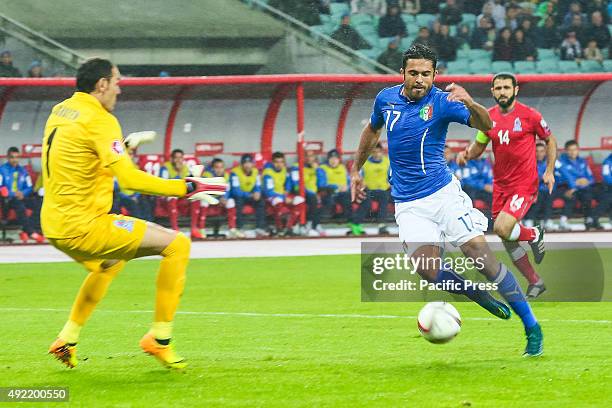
x=204 y=188
x=134 y=139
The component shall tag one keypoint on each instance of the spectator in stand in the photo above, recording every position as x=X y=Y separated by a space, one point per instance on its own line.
x=579 y=28
x=541 y=209
x=392 y=57
x=277 y=189
x=348 y=36
x=375 y=174
x=528 y=29
x=245 y=188
x=446 y=46
x=424 y=38
x=512 y=16
x=451 y=162
x=464 y=35
x=434 y=28
x=16 y=186
x=35 y=70
x=605 y=201
x=591 y=52
x=575 y=10
x=598 y=31
x=546 y=9
x=176 y=168
x=499 y=14
x=487 y=12
x=136 y=204
x=226 y=203
x=579 y=178
x=502 y=48
x=372 y=7
x=478 y=183
x=410 y=6
x=314 y=179
x=451 y=14
x=391 y=24
x=6 y=65
x=570 y=48
x=522 y=48
x=601 y=7
x=337 y=189
x=483 y=37
x=548 y=35
x=473 y=6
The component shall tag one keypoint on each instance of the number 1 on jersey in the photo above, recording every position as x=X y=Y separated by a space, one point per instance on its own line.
x=397 y=115
x=503 y=137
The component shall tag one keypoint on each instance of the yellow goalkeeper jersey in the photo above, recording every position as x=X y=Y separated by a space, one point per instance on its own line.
x=81 y=140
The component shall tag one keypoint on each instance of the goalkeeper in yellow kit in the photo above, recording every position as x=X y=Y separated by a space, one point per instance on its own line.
x=83 y=149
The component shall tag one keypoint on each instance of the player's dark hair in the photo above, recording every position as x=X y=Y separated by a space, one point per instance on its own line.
x=12 y=149
x=378 y=145
x=420 y=51
x=90 y=72
x=215 y=161
x=176 y=151
x=278 y=155
x=570 y=143
x=505 y=75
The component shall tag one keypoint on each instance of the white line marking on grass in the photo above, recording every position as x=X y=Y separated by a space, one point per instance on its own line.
x=308 y=315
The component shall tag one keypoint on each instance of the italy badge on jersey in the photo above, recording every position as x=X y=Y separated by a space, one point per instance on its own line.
x=426 y=112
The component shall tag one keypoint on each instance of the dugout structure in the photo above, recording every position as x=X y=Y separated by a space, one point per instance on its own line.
x=167 y=97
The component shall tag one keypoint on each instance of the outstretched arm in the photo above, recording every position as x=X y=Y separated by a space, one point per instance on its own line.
x=474 y=150
x=130 y=178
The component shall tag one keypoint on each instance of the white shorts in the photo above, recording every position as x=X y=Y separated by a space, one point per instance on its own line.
x=446 y=215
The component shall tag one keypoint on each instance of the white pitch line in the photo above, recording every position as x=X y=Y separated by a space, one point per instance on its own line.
x=300 y=315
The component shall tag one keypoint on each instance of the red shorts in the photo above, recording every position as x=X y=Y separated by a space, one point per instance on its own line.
x=513 y=202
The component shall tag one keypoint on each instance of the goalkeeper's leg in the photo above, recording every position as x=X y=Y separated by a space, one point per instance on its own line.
x=174 y=248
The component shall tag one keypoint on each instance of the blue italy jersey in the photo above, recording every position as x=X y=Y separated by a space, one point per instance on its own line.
x=416 y=133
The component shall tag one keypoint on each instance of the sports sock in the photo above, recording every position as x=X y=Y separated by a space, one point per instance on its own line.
x=70 y=332
x=162 y=331
x=171 y=278
x=521 y=261
x=482 y=297
x=508 y=287
x=93 y=289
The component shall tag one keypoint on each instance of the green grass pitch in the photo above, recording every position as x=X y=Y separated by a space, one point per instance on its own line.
x=292 y=331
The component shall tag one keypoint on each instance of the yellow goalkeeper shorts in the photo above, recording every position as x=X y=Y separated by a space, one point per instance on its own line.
x=109 y=236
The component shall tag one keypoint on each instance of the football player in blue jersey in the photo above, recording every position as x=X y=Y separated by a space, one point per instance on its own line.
x=430 y=206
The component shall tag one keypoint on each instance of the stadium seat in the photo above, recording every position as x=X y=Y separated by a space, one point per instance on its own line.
x=463 y=53
x=468 y=18
x=548 y=66
x=458 y=67
x=525 y=67
x=325 y=18
x=569 y=67
x=546 y=53
x=607 y=64
x=371 y=53
x=361 y=19
x=383 y=42
x=372 y=39
x=366 y=30
x=478 y=54
x=424 y=19
x=452 y=30
x=408 y=19
x=338 y=9
x=412 y=29
x=322 y=29
x=499 y=66
x=590 y=66
x=407 y=42
x=481 y=67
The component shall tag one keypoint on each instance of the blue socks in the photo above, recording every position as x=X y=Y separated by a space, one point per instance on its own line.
x=508 y=287
x=482 y=297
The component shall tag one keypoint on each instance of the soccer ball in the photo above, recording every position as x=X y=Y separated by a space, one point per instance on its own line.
x=439 y=322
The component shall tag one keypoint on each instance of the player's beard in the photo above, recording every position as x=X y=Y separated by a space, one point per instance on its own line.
x=505 y=104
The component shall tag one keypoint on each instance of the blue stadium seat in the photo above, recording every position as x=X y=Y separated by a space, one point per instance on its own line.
x=468 y=18
x=607 y=64
x=338 y=9
x=546 y=53
x=458 y=67
x=478 y=54
x=569 y=67
x=590 y=66
x=383 y=42
x=463 y=53
x=481 y=66
x=366 y=30
x=408 y=19
x=407 y=42
x=548 y=66
x=362 y=19
x=525 y=67
x=372 y=39
x=322 y=29
x=372 y=53
x=424 y=20
x=413 y=29
x=499 y=66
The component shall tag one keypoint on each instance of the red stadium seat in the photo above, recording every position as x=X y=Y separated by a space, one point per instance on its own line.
x=150 y=163
x=481 y=205
x=558 y=203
